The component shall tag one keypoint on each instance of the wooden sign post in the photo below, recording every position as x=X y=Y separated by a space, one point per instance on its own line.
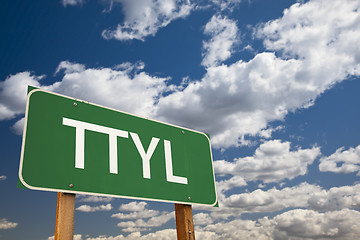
x=63 y=132
x=65 y=211
x=184 y=222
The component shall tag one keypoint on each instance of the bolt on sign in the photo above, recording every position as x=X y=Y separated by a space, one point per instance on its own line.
x=75 y=146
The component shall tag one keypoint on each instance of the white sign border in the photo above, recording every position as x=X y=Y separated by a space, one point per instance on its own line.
x=104 y=194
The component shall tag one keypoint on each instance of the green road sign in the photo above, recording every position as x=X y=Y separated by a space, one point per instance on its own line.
x=74 y=146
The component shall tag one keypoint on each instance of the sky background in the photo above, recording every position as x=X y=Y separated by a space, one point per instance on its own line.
x=275 y=84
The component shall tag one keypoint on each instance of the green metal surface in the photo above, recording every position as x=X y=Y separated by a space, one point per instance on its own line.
x=48 y=154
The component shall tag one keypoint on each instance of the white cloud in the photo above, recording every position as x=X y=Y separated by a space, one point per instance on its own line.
x=112 y=88
x=237 y=229
x=226 y=185
x=317 y=44
x=342 y=161
x=146 y=17
x=327 y=216
x=294 y=224
x=230 y=101
x=202 y=219
x=318 y=32
x=72 y=2
x=75 y=237
x=5 y=224
x=129 y=67
x=330 y=29
x=144 y=219
x=146 y=213
x=309 y=224
x=116 y=88
x=267 y=133
x=272 y=199
x=13 y=93
x=69 y=67
x=3 y=178
x=155 y=221
x=166 y=234
x=91 y=198
x=224 y=34
x=231 y=183
x=18 y=127
x=133 y=206
x=335 y=198
x=273 y=161
x=226 y=4
x=304 y=195
x=87 y=208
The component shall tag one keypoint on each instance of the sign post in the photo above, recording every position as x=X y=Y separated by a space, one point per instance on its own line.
x=65 y=210
x=184 y=222
x=76 y=147
x=73 y=147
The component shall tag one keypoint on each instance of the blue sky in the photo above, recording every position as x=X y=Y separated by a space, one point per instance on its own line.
x=275 y=84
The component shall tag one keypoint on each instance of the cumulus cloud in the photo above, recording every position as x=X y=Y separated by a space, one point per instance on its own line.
x=18 y=127
x=226 y=4
x=13 y=93
x=234 y=205
x=3 y=178
x=147 y=213
x=144 y=225
x=233 y=101
x=229 y=184
x=335 y=198
x=93 y=198
x=133 y=206
x=304 y=195
x=308 y=51
x=294 y=224
x=87 y=208
x=342 y=161
x=111 y=87
x=146 y=17
x=309 y=224
x=328 y=215
x=233 y=182
x=72 y=2
x=114 y=88
x=273 y=161
x=311 y=48
x=272 y=199
x=5 y=224
x=224 y=35
x=238 y=229
x=69 y=67
x=330 y=29
x=202 y=219
x=166 y=234
x=75 y=237
x=144 y=219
